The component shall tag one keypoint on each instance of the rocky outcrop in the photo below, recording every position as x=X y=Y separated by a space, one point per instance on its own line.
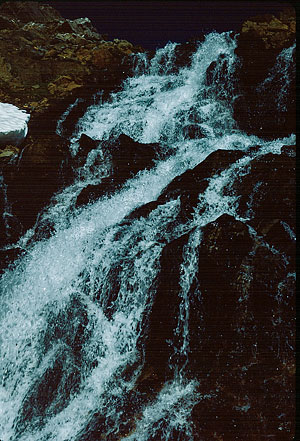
x=44 y=57
x=259 y=45
x=271 y=32
x=46 y=62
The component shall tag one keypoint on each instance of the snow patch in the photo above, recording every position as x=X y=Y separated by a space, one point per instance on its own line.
x=13 y=124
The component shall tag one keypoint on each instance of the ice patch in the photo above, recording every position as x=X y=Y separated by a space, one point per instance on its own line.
x=13 y=124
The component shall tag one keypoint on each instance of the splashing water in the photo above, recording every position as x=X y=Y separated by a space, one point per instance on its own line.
x=73 y=308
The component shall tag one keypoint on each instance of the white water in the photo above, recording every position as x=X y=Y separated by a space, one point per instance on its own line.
x=99 y=274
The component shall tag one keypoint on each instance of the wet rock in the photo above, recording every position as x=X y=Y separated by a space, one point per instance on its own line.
x=289 y=150
x=193 y=131
x=93 y=192
x=163 y=318
x=142 y=211
x=184 y=51
x=190 y=184
x=8 y=256
x=215 y=306
x=42 y=168
x=66 y=330
x=50 y=393
x=217 y=71
x=279 y=235
x=86 y=144
x=241 y=328
x=270 y=174
x=193 y=182
x=128 y=157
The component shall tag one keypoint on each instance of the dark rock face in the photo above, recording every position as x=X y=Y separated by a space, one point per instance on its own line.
x=163 y=321
x=8 y=256
x=128 y=157
x=243 y=348
x=274 y=175
x=242 y=309
x=184 y=51
x=259 y=43
x=39 y=171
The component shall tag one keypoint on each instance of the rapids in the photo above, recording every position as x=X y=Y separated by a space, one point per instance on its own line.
x=74 y=308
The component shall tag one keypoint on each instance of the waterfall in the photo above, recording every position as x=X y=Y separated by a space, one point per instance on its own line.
x=74 y=308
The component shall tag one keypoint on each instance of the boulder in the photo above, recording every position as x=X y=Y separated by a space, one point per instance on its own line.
x=184 y=51
x=127 y=157
x=193 y=131
x=86 y=144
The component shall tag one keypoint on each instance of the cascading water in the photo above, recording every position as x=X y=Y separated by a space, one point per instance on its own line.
x=75 y=308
